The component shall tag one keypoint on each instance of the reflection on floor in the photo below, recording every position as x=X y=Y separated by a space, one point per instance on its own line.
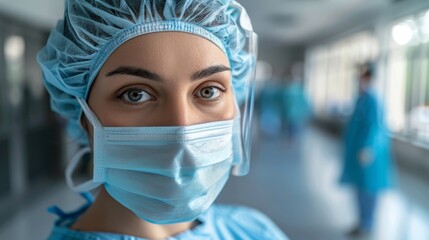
x=293 y=183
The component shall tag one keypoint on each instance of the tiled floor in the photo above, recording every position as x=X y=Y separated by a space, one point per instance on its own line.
x=295 y=185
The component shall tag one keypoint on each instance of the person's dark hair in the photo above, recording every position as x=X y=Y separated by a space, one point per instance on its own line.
x=367 y=71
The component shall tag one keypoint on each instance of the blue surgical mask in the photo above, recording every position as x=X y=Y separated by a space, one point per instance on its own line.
x=163 y=174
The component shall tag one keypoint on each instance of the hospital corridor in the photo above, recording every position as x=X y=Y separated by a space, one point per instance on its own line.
x=191 y=119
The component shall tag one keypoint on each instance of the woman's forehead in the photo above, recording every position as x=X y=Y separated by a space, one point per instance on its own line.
x=167 y=51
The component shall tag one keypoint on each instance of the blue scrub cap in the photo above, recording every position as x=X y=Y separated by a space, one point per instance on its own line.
x=91 y=30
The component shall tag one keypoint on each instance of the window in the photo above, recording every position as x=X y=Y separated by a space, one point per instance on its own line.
x=14 y=48
x=331 y=81
x=402 y=77
x=407 y=85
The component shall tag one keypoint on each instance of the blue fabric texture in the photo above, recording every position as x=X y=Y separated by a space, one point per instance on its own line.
x=91 y=30
x=219 y=222
x=366 y=129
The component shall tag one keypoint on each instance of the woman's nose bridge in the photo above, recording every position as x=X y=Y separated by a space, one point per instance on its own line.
x=180 y=111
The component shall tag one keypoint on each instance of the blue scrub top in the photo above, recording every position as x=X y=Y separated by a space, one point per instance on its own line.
x=296 y=108
x=219 y=222
x=366 y=129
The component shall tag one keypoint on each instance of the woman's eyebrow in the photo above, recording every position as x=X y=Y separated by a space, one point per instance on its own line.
x=143 y=73
x=134 y=71
x=209 y=71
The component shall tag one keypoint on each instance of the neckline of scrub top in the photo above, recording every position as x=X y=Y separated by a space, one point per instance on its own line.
x=62 y=227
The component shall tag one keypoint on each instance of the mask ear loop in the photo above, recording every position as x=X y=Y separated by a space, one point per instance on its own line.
x=90 y=184
x=89 y=114
x=83 y=187
x=99 y=171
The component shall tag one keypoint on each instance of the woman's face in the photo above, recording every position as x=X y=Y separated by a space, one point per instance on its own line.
x=163 y=79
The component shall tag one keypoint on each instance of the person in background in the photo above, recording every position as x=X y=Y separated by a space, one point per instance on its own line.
x=155 y=91
x=368 y=165
x=269 y=109
x=295 y=104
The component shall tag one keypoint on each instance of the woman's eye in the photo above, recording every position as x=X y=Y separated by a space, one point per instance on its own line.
x=135 y=95
x=209 y=92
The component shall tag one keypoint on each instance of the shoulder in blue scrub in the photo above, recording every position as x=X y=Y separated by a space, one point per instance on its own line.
x=219 y=222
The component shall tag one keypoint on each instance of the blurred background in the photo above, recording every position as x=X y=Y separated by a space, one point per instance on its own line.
x=306 y=90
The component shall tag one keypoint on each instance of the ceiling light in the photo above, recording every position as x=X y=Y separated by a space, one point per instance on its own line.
x=402 y=33
x=14 y=48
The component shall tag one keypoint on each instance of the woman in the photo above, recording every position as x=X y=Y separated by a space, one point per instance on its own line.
x=154 y=89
